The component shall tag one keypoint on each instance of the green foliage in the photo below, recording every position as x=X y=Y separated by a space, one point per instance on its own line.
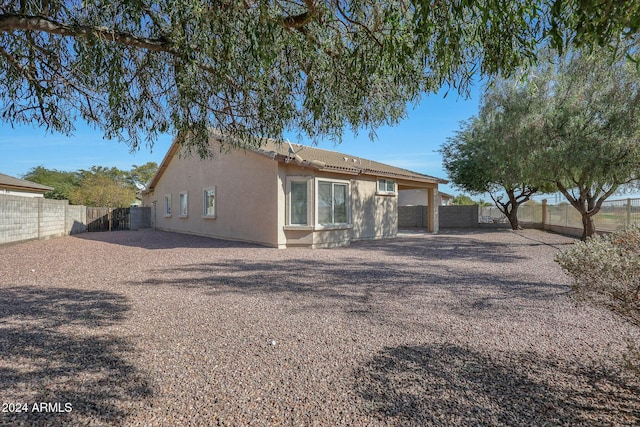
x=63 y=183
x=103 y=187
x=606 y=272
x=135 y=69
x=572 y=122
x=139 y=176
x=587 y=121
x=491 y=153
x=98 y=186
x=462 y=199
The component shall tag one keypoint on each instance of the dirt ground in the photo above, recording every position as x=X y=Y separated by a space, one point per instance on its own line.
x=156 y=328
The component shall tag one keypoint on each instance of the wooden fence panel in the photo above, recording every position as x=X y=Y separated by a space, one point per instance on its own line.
x=108 y=219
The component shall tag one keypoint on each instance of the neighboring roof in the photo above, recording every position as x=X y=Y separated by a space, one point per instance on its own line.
x=12 y=183
x=315 y=158
x=445 y=195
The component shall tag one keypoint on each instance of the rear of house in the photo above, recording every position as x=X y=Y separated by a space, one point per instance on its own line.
x=281 y=195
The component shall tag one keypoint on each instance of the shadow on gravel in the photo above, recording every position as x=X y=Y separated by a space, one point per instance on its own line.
x=444 y=247
x=451 y=385
x=156 y=239
x=358 y=284
x=53 y=352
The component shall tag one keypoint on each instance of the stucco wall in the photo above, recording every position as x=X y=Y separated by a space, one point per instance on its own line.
x=246 y=196
x=21 y=193
x=413 y=197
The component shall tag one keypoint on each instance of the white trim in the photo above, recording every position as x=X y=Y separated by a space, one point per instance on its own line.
x=385 y=192
x=185 y=213
x=205 y=200
x=307 y=180
x=167 y=205
x=317 y=182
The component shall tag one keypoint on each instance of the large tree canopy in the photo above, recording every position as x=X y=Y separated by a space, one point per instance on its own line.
x=492 y=152
x=137 y=68
x=98 y=186
x=589 y=126
x=573 y=123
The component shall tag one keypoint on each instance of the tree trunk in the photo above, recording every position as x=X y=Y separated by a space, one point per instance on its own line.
x=513 y=219
x=588 y=226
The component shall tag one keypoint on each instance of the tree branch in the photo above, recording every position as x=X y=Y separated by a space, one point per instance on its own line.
x=302 y=19
x=39 y=23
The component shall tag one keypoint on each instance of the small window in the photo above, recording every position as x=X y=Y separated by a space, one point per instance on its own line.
x=167 y=205
x=184 y=204
x=386 y=186
x=210 y=202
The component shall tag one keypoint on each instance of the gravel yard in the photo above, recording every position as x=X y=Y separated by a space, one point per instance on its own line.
x=155 y=328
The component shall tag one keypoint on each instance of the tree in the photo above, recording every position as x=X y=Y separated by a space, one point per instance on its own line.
x=98 y=186
x=104 y=187
x=491 y=152
x=588 y=124
x=63 y=183
x=462 y=200
x=139 y=176
x=137 y=68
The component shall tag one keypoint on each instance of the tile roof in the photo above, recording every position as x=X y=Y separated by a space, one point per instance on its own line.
x=328 y=160
x=7 y=181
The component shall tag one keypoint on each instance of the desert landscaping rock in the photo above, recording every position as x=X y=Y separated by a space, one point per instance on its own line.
x=155 y=328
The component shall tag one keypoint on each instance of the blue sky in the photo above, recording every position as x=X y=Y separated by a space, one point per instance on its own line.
x=412 y=144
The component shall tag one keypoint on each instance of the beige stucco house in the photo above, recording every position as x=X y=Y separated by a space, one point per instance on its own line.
x=21 y=187
x=282 y=195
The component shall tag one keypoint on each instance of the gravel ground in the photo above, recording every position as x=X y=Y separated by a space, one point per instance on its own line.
x=155 y=328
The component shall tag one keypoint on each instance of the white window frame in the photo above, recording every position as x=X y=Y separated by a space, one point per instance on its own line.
x=347 y=202
x=167 y=205
x=307 y=180
x=183 y=213
x=385 y=191
x=205 y=194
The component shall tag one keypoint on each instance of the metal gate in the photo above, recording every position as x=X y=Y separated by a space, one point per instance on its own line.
x=108 y=219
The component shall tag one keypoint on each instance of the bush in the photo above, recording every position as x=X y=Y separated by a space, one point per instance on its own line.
x=606 y=271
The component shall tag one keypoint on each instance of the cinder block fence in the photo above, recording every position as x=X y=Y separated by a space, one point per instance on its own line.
x=36 y=218
x=31 y=218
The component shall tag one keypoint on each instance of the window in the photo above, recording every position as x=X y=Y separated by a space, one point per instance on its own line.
x=386 y=186
x=332 y=203
x=298 y=203
x=167 y=205
x=184 y=204
x=210 y=202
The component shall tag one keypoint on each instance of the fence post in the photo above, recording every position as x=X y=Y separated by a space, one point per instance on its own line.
x=40 y=201
x=628 y=213
x=110 y=216
x=544 y=213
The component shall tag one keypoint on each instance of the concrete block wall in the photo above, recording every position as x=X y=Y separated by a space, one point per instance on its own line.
x=412 y=216
x=140 y=217
x=52 y=218
x=19 y=218
x=29 y=218
x=75 y=219
x=458 y=216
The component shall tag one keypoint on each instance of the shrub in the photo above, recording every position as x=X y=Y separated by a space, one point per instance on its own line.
x=606 y=272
